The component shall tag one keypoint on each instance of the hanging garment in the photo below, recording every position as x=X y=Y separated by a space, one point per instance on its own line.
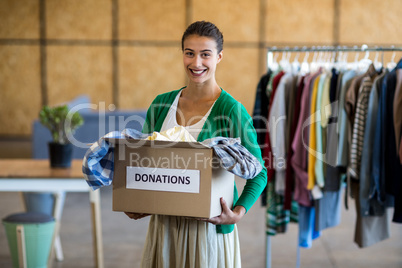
x=291 y=88
x=398 y=108
x=370 y=229
x=393 y=168
x=370 y=206
x=359 y=123
x=333 y=173
x=328 y=210
x=267 y=151
x=387 y=169
x=377 y=187
x=299 y=158
x=290 y=175
x=277 y=130
x=260 y=113
x=351 y=97
x=277 y=217
x=323 y=109
x=343 y=125
x=350 y=108
x=400 y=151
x=307 y=230
x=312 y=144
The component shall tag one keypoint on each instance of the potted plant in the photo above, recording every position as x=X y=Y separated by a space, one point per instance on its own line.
x=62 y=123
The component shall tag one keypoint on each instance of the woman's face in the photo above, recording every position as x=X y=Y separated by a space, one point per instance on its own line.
x=200 y=58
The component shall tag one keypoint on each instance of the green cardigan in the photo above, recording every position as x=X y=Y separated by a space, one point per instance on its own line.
x=228 y=118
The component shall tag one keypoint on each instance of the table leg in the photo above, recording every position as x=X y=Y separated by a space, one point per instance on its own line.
x=94 y=197
x=56 y=248
x=60 y=197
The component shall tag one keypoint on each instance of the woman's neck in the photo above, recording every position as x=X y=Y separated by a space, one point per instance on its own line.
x=202 y=92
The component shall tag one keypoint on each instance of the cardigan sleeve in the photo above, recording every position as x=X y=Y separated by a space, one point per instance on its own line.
x=242 y=126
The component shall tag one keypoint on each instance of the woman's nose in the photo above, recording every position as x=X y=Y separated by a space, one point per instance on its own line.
x=197 y=61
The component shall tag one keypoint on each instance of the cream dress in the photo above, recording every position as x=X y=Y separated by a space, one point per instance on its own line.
x=178 y=242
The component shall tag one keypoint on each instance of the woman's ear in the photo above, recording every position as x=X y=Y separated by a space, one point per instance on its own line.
x=220 y=56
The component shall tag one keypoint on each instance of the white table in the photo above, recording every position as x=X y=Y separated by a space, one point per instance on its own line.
x=34 y=175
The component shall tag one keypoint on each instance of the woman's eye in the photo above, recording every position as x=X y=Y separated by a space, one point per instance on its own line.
x=206 y=55
x=189 y=54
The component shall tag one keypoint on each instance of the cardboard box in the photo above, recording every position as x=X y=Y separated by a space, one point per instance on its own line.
x=169 y=178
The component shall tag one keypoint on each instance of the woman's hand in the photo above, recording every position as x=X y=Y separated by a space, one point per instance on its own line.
x=228 y=216
x=136 y=216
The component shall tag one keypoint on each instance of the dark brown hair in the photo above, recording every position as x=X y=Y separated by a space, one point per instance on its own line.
x=204 y=28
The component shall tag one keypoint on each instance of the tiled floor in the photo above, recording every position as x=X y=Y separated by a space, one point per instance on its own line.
x=123 y=239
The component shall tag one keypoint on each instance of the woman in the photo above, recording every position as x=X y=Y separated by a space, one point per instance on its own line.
x=206 y=111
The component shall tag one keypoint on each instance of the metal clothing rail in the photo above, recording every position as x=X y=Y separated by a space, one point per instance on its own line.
x=362 y=48
x=334 y=49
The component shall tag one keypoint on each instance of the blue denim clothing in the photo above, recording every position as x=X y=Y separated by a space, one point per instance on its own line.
x=307 y=230
x=328 y=210
x=377 y=190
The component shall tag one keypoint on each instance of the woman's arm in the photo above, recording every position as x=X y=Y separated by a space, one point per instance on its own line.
x=240 y=125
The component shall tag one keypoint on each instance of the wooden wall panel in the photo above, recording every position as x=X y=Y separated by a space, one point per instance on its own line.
x=373 y=22
x=299 y=22
x=83 y=20
x=19 y=89
x=154 y=64
x=19 y=19
x=237 y=73
x=76 y=70
x=238 y=20
x=145 y=72
x=152 y=20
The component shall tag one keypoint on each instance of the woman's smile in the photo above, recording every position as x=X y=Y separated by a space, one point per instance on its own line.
x=198 y=72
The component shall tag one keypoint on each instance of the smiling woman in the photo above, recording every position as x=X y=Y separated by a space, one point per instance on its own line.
x=206 y=111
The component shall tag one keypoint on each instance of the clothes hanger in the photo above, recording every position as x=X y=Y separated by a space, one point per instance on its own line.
x=364 y=63
x=305 y=66
x=333 y=59
x=341 y=64
x=284 y=62
x=313 y=63
x=296 y=64
x=327 y=61
x=392 y=64
x=355 y=64
x=377 y=64
x=272 y=63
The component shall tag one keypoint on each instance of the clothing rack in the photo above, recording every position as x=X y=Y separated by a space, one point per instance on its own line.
x=363 y=48
x=335 y=50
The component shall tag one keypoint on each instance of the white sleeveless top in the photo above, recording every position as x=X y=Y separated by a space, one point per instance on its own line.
x=171 y=119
